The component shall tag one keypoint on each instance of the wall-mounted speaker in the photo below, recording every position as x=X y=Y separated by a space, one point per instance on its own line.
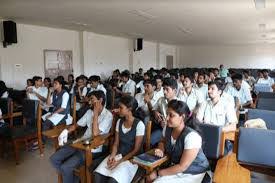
x=9 y=33
x=138 y=44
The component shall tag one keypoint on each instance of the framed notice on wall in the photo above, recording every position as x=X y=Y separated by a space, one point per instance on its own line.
x=58 y=63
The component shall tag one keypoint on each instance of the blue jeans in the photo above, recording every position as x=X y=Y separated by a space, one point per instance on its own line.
x=65 y=160
x=156 y=136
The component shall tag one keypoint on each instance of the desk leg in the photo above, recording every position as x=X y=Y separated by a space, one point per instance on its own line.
x=89 y=159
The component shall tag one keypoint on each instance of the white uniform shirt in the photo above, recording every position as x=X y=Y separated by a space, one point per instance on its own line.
x=243 y=94
x=104 y=124
x=204 y=90
x=99 y=87
x=268 y=81
x=1 y=120
x=193 y=99
x=141 y=86
x=140 y=131
x=43 y=91
x=140 y=99
x=5 y=94
x=220 y=114
x=129 y=87
x=159 y=93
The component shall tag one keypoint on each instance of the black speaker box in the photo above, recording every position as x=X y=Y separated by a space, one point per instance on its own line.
x=138 y=44
x=9 y=32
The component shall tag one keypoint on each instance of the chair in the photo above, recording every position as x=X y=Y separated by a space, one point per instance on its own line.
x=251 y=154
x=6 y=105
x=29 y=131
x=267 y=116
x=266 y=101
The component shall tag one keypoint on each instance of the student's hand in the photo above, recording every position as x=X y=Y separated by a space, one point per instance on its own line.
x=97 y=107
x=158 y=153
x=146 y=98
x=158 y=116
x=47 y=117
x=114 y=164
x=29 y=90
x=110 y=161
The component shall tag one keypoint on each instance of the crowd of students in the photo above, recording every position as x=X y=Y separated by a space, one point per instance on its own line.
x=174 y=101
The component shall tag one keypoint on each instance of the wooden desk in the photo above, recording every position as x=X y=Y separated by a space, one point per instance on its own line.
x=53 y=134
x=152 y=167
x=97 y=141
x=228 y=170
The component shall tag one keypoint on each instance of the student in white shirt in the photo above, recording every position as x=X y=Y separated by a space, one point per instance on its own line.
x=128 y=143
x=148 y=100
x=201 y=86
x=98 y=121
x=140 y=85
x=95 y=84
x=160 y=109
x=191 y=96
x=265 y=79
x=248 y=78
x=129 y=86
x=159 y=89
x=3 y=90
x=240 y=91
x=216 y=111
x=80 y=91
x=183 y=144
x=37 y=92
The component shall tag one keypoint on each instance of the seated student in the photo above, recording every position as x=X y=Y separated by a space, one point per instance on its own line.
x=70 y=83
x=37 y=92
x=223 y=71
x=98 y=120
x=95 y=84
x=211 y=76
x=128 y=142
x=191 y=96
x=216 y=72
x=47 y=82
x=29 y=83
x=159 y=111
x=147 y=101
x=183 y=144
x=201 y=86
x=59 y=99
x=159 y=89
x=129 y=86
x=240 y=91
x=80 y=91
x=3 y=90
x=140 y=84
x=265 y=79
x=215 y=110
x=248 y=78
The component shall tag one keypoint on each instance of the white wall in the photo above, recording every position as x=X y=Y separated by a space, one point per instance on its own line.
x=104 y=54
x=28 y=52
x=249 y=56
x=92 y=53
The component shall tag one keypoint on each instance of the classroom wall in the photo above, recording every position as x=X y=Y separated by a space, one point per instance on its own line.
x=28 y=52
x=92 y=53
x=246 y=56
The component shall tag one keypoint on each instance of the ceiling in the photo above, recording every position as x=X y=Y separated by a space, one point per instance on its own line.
x=170 y=21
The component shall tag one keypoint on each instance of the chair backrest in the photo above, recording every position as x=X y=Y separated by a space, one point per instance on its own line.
x=266 y=95
x=266 y=104
x=256 y=147
x=267 y=116
x=5 y=104
x=30 y=110
x=211 y=136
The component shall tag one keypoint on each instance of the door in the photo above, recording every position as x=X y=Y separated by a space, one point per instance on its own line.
x=169 y=62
